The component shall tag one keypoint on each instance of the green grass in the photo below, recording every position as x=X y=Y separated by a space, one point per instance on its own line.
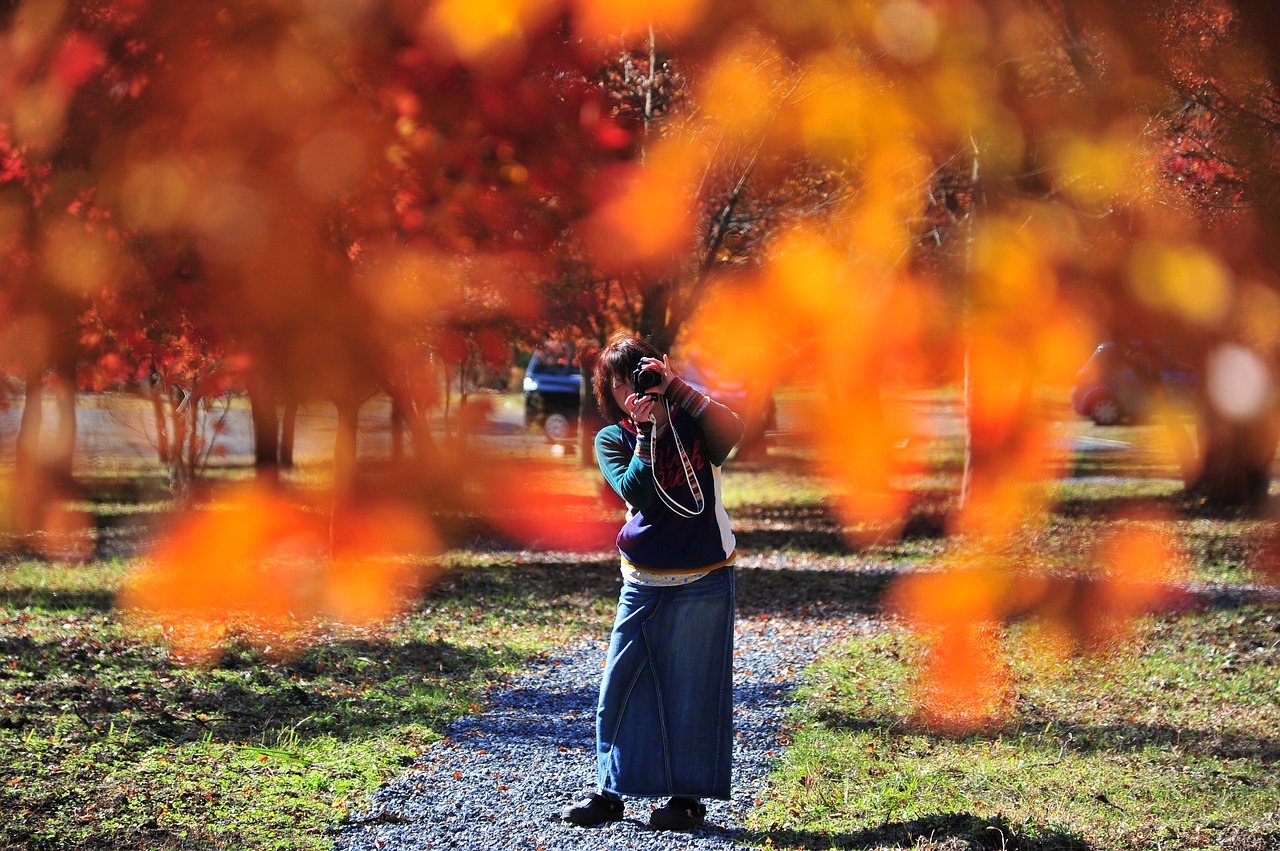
x=1171 y=743
x=110 y=743
x=760 y=485
x=1227 y=550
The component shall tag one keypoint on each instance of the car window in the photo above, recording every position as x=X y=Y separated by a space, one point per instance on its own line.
x=545 y=362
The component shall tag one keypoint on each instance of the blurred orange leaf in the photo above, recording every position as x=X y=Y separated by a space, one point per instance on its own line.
x=608 y=18
x=646 y=219
x=535 y=503
x=487 y=31
x=261 y=560
x=1139 y=569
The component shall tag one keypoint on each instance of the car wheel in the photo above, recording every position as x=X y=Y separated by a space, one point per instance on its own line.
x=1105 y=410
x=557 y=427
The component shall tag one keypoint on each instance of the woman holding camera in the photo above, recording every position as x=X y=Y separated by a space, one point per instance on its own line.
x=664 y=721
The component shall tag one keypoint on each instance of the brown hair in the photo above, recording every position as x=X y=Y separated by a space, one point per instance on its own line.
x=617 y=360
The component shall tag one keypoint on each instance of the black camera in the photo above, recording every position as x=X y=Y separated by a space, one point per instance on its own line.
x=643 y=380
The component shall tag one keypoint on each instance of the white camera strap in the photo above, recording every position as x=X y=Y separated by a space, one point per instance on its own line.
x=699 y=502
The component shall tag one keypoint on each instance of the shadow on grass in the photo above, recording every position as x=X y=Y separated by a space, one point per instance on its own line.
x=769 y=591
x=543 y=587
x=246 y=696
x=345 y=690
x=1109 y=504
x=1133 y=736
x=1117 y=737
x=947 y=830
x=1111 y=507
x=73 y=666
x=814 y=528
x=55 y=600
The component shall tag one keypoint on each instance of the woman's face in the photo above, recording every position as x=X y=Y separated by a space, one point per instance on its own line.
x=621 y=389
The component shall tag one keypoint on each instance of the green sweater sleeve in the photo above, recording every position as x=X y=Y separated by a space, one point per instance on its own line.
x=628 y=472
x=721 y=427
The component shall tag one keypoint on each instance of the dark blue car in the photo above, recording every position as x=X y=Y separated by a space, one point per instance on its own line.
x=552 y=389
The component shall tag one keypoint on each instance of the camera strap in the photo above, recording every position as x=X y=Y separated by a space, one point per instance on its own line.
x=699 y=502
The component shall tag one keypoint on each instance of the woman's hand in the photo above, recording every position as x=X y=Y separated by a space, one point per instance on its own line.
x=650 y=407
x=646 y=408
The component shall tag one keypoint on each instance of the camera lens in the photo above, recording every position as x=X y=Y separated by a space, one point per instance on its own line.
x=644 y=380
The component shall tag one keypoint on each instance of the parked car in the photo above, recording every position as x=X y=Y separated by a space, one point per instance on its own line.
x=1109 y=391
x=552 y=389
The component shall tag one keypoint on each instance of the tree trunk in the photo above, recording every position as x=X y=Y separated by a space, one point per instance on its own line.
x=966 y=466
x=345 y=468
x=589 y=420
x=1148 y=375
x=754 y=445
x=397 y=429
x=191 y=457
x=424 y=449
x=28 y=483
x=655 y=315
x=345 y=446
x=447 y=408
x=463 y=425
x=179 y=473
x=266 y=435
x=1236 y=460
x=28 y=443
x=155 y=391
x=288 y=430
x=64 y=444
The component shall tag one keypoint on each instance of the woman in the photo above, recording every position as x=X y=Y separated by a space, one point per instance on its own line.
x=664 y=720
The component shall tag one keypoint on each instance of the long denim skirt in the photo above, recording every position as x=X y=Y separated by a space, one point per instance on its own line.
x=664 y=723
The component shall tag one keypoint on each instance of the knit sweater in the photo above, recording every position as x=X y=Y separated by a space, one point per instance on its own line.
x=656 y=538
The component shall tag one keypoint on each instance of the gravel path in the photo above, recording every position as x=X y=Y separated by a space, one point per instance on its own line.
x=499 y=779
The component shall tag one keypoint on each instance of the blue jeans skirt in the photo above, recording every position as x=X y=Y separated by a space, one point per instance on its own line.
x=664 y=723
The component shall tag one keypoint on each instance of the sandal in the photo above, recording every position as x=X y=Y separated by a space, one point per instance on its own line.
x=592 y=810
x=678 y=814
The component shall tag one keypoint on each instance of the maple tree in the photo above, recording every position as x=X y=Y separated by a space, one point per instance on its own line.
x=1215 y=140
x=1037 y=145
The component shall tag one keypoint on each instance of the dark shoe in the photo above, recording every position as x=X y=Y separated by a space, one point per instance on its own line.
x=592 y=810
x=678 y=814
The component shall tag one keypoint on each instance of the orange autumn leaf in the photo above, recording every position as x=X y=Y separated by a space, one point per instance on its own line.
x=538 y=505
x=243 y=559
x=603 y=19
x=375 y=572
x=854 y=443
x=1139 y=568
x=963 y=683
x=485 y=32
x=645 y=221
x=262 y=561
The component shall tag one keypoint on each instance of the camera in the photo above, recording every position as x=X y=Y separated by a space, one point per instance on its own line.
x=643 y=380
